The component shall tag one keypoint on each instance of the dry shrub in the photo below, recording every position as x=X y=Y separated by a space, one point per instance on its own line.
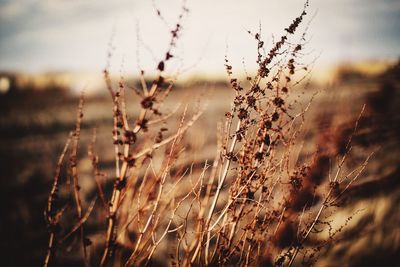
x=258 y=203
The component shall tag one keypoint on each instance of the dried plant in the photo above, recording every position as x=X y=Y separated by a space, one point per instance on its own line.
x=260 y=202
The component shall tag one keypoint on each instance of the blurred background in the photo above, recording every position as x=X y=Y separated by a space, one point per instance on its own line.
x=50 y=50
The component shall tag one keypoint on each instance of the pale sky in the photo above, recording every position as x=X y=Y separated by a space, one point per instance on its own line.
x=74 y=35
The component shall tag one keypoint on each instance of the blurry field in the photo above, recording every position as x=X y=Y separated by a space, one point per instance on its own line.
x=34 y=126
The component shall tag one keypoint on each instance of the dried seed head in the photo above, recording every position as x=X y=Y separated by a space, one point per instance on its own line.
x=120 y=184
x=120 y=124
x=255 y=88
x=130 y=137
x=131 y=162
x=168 y=56
x=263 y=71
x=251 y=100
x=161 y=66
x=147 y=102
x=275 y=116
x=243 y=114
x=279 y=102
x=267 y=140
x=259 y=156
x=267 y=124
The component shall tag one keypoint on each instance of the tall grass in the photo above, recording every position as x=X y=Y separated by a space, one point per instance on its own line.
x=261 y=201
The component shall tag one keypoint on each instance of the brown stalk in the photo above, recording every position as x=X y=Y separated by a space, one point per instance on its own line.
x=53 y=220
x=176 y=140
x=74 y=173
x=96 y=173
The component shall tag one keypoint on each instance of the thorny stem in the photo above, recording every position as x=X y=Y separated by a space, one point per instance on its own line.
x=51 y=219
x=205 y=203
x=96 y=173
x=74 y=173
x=221 y=181
x=157 y=202
x=323 y=206
x=167 y=230
x=50 y=249
x=115 y=198
x=116 y=195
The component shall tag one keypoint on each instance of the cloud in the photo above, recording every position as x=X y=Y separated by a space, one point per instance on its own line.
x=40 y=34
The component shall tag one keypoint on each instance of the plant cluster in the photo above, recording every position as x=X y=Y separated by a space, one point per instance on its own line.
x=258 y=203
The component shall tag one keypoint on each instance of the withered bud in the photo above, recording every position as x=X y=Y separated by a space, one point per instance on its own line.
x=267 y=124
x=161 y=66
x=147 y=102
x=120 y=124
x=130 y=137
x=251 y=100
x=255 y=88
x=231 y=156
x=259 y=155
x=275 y=116
x=120 y=184
x=243 y=114
x=131 y=162
x=267 y=140
x=278 y=101
x=168 y=56
x=263 y=71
